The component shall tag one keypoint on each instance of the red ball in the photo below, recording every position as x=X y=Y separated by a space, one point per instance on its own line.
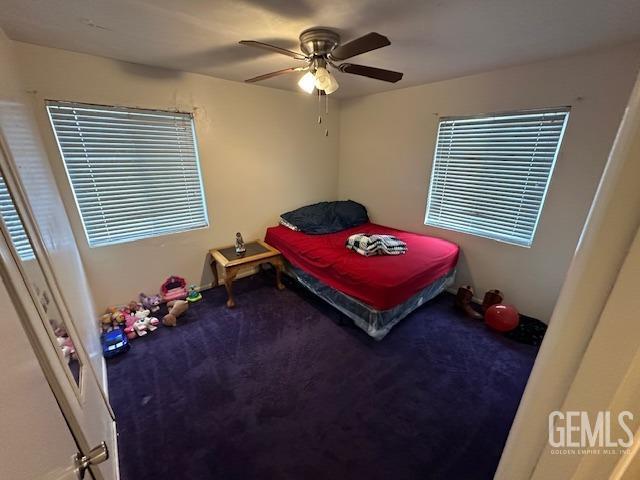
x=502 y=318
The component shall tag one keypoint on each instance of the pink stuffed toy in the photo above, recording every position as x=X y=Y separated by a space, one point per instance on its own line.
x=134 y=327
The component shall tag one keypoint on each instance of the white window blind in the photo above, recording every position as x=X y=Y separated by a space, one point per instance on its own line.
x=491 y=173
x=13 y=223
x=134 y=173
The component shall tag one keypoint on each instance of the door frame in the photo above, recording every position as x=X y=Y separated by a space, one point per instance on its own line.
x=13 y=275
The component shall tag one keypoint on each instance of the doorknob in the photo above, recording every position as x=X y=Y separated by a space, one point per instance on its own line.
x=97 y=455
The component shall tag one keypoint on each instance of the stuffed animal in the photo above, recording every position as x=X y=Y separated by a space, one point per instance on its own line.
x=151 y=323
x=150 y=302
x=128 y=328
x=141 y=313
x=140 y=327
x=106 y=322
x=67 y=347
x=134 y=327
x=118 y=318
x=177 y=308
x=134 y=306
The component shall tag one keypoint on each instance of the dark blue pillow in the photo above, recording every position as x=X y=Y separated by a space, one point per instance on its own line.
x=327 y=217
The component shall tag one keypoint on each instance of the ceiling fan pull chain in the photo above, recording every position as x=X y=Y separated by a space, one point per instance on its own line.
x=326 y=111
x=319 y=109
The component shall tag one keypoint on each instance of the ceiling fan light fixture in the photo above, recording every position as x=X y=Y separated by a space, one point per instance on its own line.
x=333 y=85
x=323 y=78
x=307 y=82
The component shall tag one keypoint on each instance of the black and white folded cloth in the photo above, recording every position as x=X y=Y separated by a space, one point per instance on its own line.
x=369 y=245
x=290 y=226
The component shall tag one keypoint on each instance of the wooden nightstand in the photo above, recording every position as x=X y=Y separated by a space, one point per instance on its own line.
x=257 y=253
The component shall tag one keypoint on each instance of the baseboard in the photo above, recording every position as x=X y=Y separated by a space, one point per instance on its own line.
x=454 y=290
x=243 y=274
x=207 y=286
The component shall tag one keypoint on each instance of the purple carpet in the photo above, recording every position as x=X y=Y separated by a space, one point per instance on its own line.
x=276 y=389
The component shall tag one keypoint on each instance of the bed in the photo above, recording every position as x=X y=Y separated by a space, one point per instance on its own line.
x=375 y=292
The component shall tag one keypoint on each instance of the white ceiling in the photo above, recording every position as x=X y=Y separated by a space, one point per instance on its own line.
x=431 y=39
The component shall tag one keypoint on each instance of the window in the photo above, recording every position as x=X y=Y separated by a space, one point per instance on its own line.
x=491 y=173
x=13 y=223
x=134 y=173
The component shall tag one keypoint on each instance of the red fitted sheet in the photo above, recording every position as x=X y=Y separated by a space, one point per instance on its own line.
x=381 y=281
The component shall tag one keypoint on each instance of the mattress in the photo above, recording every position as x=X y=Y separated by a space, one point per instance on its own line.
x=380 y=282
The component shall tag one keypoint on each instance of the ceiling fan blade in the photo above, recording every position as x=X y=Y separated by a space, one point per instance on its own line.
x=371 y=72
x=275 y=74
x=366 y=43
x=273 y=48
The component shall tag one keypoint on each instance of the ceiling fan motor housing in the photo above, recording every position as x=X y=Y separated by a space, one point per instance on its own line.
x=318 y=42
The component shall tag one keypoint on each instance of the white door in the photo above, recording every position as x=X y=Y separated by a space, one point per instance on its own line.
x=51 y=329
x=30 y=418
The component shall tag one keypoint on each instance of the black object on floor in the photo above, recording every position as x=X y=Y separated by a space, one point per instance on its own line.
x=275 y=389
x=529 y=331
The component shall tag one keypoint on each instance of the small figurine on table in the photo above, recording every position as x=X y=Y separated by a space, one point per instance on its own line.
x=194 y=295
x=240 y=249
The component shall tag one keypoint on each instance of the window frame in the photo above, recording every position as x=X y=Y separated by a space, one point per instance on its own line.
x=138 y=110
x=477 y=232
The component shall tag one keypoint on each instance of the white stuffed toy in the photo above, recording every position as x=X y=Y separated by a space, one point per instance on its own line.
x=67 y=347
x=150 y=323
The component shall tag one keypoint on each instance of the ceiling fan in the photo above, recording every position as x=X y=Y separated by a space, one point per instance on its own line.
x=322 y=49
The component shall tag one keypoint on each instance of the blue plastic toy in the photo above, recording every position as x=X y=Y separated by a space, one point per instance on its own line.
x=114 y=343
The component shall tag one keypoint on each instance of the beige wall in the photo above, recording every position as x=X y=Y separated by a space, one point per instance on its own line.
x=387 y=143
x=261 y=154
